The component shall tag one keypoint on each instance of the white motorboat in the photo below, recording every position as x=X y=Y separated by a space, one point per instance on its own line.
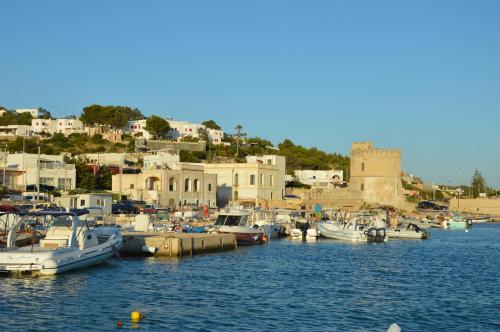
x=240 y=223
x=407 y=231
x=352 y=231
x=69 y=244
x=478 y=219
x=312 y=234
x=266 y=220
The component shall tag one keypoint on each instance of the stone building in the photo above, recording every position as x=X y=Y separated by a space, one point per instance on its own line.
x=376 y=174
x=260 y=178
x=169 y=185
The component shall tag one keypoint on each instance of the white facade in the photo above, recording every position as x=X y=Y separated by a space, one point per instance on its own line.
x=53 y=171
x=13 y=131
x=62 y=126
x=33 y=111
x=137 y=128
x=83 y=201
x=159 y=159
x=109 y=159
x=260 y=179
x=179 y=130
x=320 y=178
x=180 y=184
x=215 y=136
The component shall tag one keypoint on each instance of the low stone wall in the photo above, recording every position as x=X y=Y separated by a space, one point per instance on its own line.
x=489 y=206
x=170 y=145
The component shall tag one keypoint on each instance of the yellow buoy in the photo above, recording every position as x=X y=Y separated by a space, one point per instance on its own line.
x=135 y=316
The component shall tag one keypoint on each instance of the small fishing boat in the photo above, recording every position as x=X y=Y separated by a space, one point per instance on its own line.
x=239 y=223
x=69 y=244
x=478 y=219
x=458 y=222
x=353 y=231
x=407 y=231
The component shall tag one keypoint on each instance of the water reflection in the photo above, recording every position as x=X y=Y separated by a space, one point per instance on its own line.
x=448 y=282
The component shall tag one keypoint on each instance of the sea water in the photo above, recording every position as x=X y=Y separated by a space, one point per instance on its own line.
x=449 y=282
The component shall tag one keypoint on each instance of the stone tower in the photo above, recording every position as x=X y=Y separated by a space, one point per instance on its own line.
x=376 y=174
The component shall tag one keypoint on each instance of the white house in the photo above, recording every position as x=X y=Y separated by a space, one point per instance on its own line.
x=48 y=169
x=159 y=159
x=137 y=128
x=320 y=178
x=261 y=178
x=103 y=201
x=33 y=111
x=12 y=131
x=62 y=126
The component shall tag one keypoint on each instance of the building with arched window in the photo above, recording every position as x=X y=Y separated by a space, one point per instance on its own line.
x=172 y=186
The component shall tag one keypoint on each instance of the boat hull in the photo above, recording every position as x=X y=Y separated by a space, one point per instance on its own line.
x=51 y=262
x=405 y=234
x=332 y=231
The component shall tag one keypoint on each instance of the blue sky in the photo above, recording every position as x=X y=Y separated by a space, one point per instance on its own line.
x=422 y=76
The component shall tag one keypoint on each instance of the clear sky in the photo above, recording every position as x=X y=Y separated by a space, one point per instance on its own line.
x=422 y=76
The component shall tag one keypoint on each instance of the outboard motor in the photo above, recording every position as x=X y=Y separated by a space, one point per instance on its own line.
x=303 y=226
x=375 y=235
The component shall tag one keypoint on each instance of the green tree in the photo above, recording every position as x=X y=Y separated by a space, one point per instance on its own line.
x=478 y=184
x=158 y=127
x=103 y=178
x=211 y=124
x=43 y=113
x=13 y=118
x=113 y=116
x=85 y=179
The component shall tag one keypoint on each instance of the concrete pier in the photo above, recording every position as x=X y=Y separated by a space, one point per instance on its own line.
x=175 y=244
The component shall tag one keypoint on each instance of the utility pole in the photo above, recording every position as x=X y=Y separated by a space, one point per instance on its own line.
x=38 y=177
x=4 y=165
x=239 y=134
x=459 y=186
x=24 y=167
x=121 y=177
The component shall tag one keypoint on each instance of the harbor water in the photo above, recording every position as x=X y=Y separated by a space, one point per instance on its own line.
x=450 y=282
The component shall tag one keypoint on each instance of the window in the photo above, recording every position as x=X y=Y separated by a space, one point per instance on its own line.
x=236 y=179
x=196 y=185
x=252 y=180
x=271 y=180
x=82 y=202
x=171 y=185
x=262 y=179
x=47 y=181
x=131 y=186
x=101 y=202
x=362 y=187
x=362 y=166
x=209 y=187
x=187 y=185
x=269 y=161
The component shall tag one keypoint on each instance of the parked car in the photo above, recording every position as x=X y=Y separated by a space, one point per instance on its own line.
x=428 y=205
x=124 y=208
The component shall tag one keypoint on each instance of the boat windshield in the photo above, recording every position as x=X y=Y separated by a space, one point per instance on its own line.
x=220 y=220
x=231 y=220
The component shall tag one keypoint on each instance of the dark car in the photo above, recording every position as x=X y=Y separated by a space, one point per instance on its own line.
x=124 y=208
x=426 y=205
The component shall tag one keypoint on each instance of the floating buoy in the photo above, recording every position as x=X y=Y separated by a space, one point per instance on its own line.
x=135 y=316
x=119 y=323
x=394 y=328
